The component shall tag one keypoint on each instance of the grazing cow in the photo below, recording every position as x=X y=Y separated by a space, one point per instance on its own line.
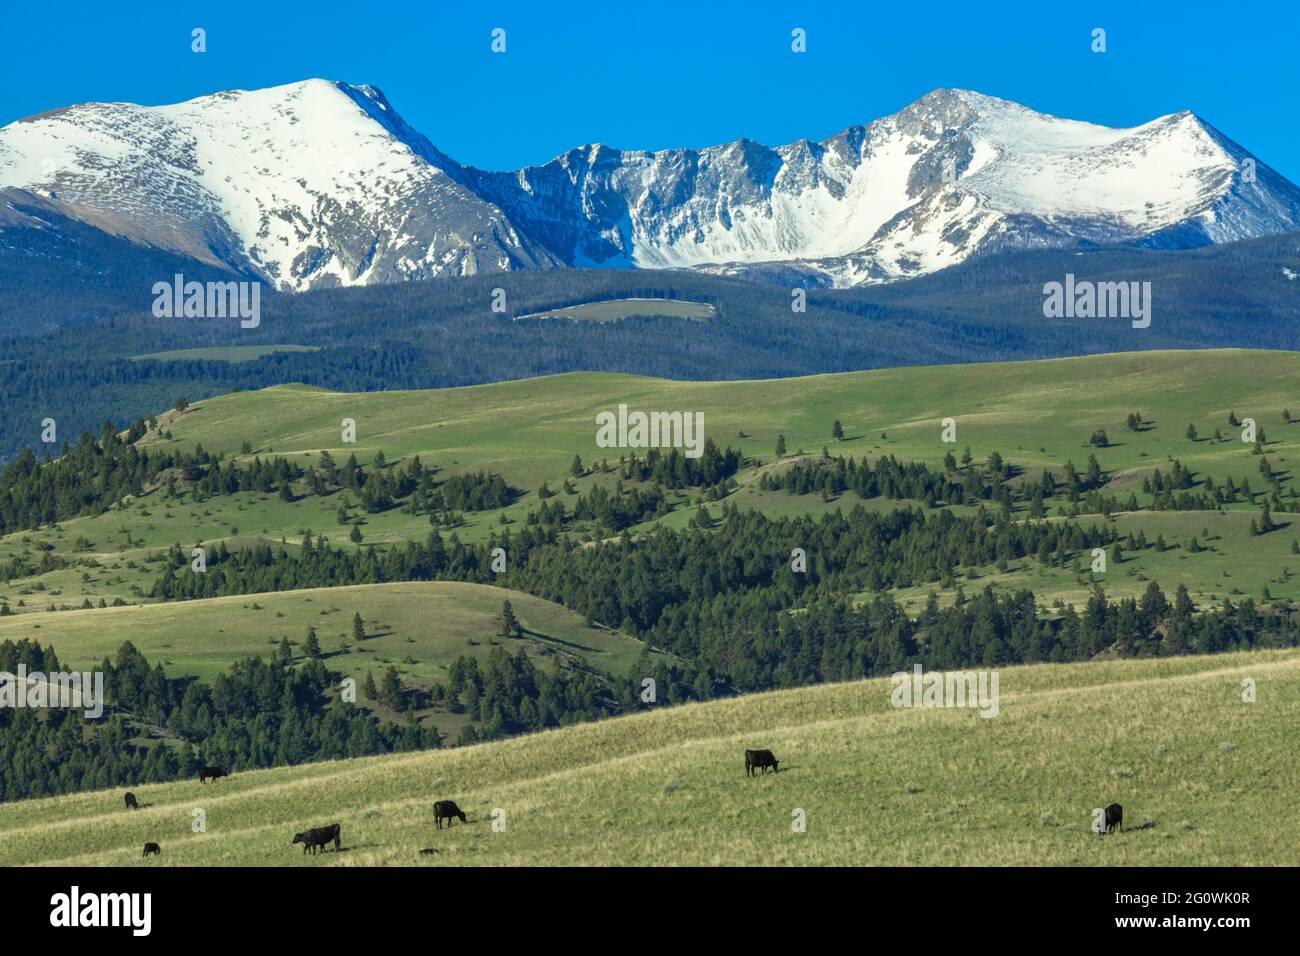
x=216 y=773
x=759 y=758
x=130 y=801
x=153 y=848
x=318 y=837
x=445 y=810
x=1114 y=818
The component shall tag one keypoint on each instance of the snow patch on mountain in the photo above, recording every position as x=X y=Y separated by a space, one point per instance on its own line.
x=319 y=183
x=304 y=185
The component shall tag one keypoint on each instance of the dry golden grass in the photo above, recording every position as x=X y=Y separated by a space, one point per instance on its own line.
x=1170 y=739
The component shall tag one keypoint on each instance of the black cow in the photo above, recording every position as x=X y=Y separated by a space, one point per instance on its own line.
x=216 y=773
x=130 y=801
x=153 y=848
x=445 y=810
x=759 y=758
x=1114 y=818
x=318 y=837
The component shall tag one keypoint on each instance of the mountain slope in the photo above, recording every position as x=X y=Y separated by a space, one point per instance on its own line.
x=320 y=184
x=57 y=270
x=310 y=185
x=1204 y=780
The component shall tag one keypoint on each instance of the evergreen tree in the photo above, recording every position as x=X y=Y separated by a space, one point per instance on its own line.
x=510 y=626
x=311 y=647
x=391 y=690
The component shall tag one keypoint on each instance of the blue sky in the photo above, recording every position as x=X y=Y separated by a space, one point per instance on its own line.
x=668 y=73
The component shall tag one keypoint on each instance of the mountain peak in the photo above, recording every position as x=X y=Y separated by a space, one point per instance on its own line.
x=322 y=182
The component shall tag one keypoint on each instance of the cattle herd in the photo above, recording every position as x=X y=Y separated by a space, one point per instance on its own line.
x=317 y=838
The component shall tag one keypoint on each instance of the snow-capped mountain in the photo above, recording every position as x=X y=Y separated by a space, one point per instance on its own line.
x=308 y=185
x=322 y=183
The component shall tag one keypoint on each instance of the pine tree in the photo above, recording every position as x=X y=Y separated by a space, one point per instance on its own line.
x=837 y=431
x=311 y=647
x=780 y=446
x=391 y=690
x=358 y=628
x=510 y=626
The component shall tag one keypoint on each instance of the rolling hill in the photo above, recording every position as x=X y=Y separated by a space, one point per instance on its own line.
x=1204 y=777
x=1037 y=415
x=425 y=625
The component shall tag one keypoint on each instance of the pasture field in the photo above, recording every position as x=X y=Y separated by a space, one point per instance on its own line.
x=1038 y=415
x=1205 y=778
x=421 y=626
x=615 y=310
x=224 y=353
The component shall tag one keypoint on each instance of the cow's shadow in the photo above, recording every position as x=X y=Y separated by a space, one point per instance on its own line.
x=343 y=849
x=447 y=826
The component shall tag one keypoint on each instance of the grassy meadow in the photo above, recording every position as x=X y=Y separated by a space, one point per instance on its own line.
x=1036 y=414
x=1205 y=778
x=421 y=626
x=615 y=310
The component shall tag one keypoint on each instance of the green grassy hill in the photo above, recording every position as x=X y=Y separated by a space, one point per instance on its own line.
x=423 y=626
x=1204 y=779
x=1038 y=415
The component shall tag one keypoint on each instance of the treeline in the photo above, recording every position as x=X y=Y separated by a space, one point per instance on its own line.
x=95 y=474
x=717 y=595
x=628 y=583
x=890 y=478
x=509 y=694
x=258 y=714
x=672 y=469
x=967 y=483
x=86 y=479
x=611 y=510
x=833 y=640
